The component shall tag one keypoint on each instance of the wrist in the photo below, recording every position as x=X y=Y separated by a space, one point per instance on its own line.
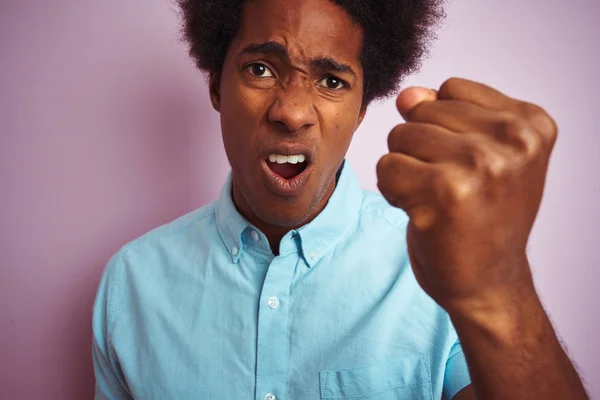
x=504 y=316
x=511 y=348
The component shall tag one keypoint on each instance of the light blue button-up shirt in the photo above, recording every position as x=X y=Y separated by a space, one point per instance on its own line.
x=200 y=308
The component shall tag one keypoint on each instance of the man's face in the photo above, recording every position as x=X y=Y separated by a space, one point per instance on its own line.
x=290 y=99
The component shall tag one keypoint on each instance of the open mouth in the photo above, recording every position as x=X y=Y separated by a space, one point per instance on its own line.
x=287 y=174
x=287 y=167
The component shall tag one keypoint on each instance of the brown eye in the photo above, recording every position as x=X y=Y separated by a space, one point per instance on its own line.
x=331 y=82
x=260 y=70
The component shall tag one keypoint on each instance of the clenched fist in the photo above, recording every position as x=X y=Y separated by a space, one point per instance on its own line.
x=468 y=167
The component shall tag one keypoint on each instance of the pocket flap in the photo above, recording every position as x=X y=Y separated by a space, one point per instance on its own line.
x=411 y=372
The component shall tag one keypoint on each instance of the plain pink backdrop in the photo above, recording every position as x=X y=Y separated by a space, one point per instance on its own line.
x=106 y=132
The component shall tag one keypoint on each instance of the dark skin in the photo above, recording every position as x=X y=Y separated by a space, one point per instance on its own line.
x=478 y=161
x=477 y=158
x=297 y=98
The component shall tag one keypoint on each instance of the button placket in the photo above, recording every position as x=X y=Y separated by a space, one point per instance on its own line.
x=272 y=353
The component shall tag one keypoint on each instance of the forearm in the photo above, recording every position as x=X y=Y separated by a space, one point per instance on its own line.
x=512 y=350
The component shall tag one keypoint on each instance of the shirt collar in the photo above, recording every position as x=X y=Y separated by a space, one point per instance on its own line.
x=314 y=239
x=230 y=223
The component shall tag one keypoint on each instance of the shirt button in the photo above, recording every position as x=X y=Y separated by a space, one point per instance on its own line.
x=255 y=236
x=313 y=256
x=270 y=396
x=234 y=251
x=273 y=303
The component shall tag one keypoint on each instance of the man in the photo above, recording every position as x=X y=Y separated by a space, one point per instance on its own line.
x=295 y=283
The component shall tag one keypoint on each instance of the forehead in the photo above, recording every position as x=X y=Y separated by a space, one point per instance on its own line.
x=307 y=28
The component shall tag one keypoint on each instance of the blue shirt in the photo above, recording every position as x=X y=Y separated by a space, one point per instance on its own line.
x=200 y=308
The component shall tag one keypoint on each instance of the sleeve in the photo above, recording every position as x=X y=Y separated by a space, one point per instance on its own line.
x=456 y=376
x=110 y=381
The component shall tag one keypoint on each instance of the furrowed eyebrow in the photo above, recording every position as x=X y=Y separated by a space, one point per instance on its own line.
x=267 y=48
x=330 y=64
x=279 y=50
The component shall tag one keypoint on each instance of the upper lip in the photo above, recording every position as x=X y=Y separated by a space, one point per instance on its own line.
x=289 y=149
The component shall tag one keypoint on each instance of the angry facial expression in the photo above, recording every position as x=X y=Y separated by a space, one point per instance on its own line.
x=290 y=99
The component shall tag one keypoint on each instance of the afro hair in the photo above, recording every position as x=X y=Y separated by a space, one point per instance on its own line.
x=396 y=36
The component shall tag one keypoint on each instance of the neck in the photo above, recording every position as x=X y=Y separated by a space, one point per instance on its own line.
x=275 y=232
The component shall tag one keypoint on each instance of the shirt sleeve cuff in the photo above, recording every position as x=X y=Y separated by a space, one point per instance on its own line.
x=457 y=376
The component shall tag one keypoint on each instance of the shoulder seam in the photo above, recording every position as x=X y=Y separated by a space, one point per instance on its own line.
x=132 y=246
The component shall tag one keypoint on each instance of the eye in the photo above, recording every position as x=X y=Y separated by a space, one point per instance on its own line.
x=259 y=70
x=331 y=82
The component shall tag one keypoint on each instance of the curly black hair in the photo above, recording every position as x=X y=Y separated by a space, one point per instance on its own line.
x=396 y=35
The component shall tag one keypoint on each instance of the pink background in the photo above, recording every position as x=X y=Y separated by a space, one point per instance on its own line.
x=106 y=132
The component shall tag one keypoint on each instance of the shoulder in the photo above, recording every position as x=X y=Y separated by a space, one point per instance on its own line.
x=199 y=220
x=151 y=257
x=143 y=267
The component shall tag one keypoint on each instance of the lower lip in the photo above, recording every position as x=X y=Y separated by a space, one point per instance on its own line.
x=285 y=187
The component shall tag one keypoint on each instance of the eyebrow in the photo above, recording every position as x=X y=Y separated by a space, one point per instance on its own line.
x=278 y=50
x=267 y=48
x=330 y=64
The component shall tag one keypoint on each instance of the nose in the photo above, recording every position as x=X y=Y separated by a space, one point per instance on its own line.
x=293 y=109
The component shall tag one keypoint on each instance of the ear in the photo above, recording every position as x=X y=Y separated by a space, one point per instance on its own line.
x=214 y=89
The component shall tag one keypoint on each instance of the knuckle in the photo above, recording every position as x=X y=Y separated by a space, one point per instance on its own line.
x=419 y=112
x=523 y=134
x=487 y=162
x=384 y=165
x=539 y=116
x=449 y=87
x=496 y=167
x=422 y=217
x=386 y=185
x=531 y=111
x=476 y=156
x=531 y=145
x=541 y=120
x=380 y=167
x=395 y=138
x=457 y=191
x=514 y=127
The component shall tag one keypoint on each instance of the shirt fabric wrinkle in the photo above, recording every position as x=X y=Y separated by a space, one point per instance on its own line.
x=201 y=308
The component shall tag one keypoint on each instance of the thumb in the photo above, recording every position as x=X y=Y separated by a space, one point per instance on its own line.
x=410 y=97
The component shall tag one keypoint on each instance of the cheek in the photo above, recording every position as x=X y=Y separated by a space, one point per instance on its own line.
x=239 y=102
x=341 y=133
x=242 y=106
x=241 y=113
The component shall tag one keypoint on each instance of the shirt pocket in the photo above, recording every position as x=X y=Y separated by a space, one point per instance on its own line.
x=403 y=378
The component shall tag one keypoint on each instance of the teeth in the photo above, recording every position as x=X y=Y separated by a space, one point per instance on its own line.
x=281 y=159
